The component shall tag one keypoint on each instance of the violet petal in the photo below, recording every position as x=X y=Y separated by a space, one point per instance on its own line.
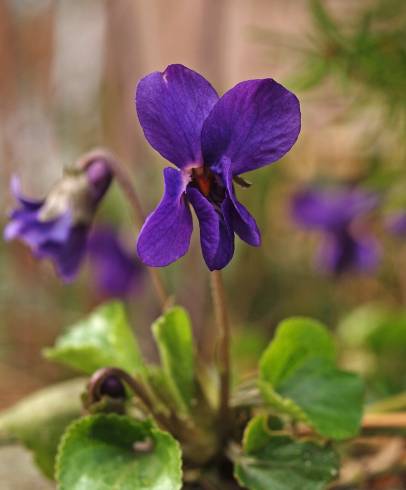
x=253 y=124
x=30 y=204
x=340 y=253
x=172 y=107
x=117 y=272
x=165 y=235
x=396 y=223
x=241 y=220
x=66 y=256
x=216 y=236
x=331 y=209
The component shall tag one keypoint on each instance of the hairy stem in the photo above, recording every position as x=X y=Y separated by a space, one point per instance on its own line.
x=220 y=310
x=124 y=181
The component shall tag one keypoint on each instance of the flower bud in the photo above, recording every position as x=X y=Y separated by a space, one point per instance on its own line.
x=57 y=226
x=112 y=387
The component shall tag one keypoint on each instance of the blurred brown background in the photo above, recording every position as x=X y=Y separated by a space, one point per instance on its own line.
x=68 y=74
x=69 y=71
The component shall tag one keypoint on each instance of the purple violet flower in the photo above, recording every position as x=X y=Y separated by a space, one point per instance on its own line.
x=57 y=227
x=337 y=213
x=396 y=224
x=211 y=141
x=117 y=272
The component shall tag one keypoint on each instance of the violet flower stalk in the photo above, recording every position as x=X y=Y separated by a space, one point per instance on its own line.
x=211 y=141
x=117 y=272
x=337 y=213
x=57 y=227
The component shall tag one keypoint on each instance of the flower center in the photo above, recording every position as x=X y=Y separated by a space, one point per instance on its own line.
x=209 y=184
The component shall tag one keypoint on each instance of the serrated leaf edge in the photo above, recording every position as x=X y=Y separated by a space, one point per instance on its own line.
x=68 y=433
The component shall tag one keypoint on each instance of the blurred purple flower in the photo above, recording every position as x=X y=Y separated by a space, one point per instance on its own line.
x=396 y=223
x=57 y=226
x=336 y=213
x=211 y=141
x=117 y=272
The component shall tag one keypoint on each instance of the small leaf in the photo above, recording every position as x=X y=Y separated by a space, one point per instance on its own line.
x=296 y=340
x=173 y=335
x=256 y=434
x=298 y=376
x=102 y=452
x=103 y=339
x=278 y=462
x=39 y=420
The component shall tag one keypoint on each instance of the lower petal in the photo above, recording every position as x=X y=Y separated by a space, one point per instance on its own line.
x=25 y=225
x=242 y=222
x=216 y=236
x=343 y=253
x=67 y=256
x=368 y=254
x=165 y=236
x=116 y=272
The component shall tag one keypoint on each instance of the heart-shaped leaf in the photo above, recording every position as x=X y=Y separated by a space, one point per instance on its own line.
x=278 y=462
x=39 y=420
x=102 y=339
x=102 y=452
x=298 y=376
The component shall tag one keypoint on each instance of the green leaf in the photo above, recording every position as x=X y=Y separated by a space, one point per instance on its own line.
x=278 y=462
x=173 y=335
x=296 y=340
x=331 y=399
x=39 y=420
x=298 y=376
x=282 y=404
x=102 y=452
x=163 y=389
x=256 y=434
x=103 y=339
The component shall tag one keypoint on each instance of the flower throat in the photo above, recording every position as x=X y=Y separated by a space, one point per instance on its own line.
x=209 y=184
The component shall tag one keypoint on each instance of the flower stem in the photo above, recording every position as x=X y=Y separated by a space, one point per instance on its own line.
x=220 y=310
x=124 y=181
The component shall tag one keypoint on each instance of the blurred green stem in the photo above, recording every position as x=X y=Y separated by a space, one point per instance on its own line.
x=391 y=404
x=124 y=181
x=220 y=310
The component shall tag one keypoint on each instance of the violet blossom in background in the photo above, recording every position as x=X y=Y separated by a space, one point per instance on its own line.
x=211 y=141
x=338 y=214
x=57 y=227
x=117 y=272
x=396 y=224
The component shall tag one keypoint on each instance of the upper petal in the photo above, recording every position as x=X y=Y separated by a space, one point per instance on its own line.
x=165 y=235
x=172 y=107
x=253 y=124
x=29 y=204
x=216 y=235
x=241 y=220
x=331 y=209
